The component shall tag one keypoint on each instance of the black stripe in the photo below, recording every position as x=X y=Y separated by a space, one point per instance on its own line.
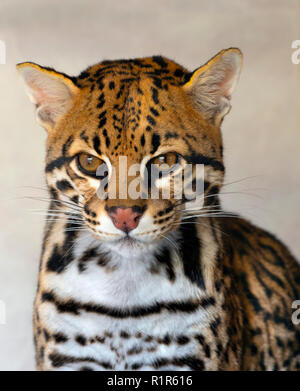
x=155 y=142
x=75 y=307
x=57 y=163
x=250 y=296
x=201 y=159
x=58 y=360
x=61 y=257
x=191 y=254
x=190 y=361
x=96 y=143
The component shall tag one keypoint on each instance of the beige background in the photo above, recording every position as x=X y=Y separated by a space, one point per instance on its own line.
x=261 y=134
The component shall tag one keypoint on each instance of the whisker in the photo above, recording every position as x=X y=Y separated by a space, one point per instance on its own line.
x=242 y=179
x=47 y=190
x=65 y=203
x=171 y=241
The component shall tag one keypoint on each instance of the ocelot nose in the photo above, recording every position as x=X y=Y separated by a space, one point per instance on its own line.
x=125 y=219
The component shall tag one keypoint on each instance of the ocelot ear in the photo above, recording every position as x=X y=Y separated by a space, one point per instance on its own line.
x=52 y=92
x=212 y=85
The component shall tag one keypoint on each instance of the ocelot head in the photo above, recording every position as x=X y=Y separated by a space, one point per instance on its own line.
x=131 y=142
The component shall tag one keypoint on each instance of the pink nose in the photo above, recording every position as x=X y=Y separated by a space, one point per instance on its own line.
x=125 y=219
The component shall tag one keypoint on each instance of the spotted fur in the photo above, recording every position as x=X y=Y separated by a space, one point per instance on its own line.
x=205 y=293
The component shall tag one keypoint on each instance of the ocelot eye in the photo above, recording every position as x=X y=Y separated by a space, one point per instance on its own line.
x=88 y=164
x=166 y=162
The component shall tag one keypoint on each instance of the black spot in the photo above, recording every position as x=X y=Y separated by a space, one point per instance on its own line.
x=81 y=340
x=151 y=120
x=182 y=340
x=111 y=85
x=75 y=199
x=253 y=349
x=155 y=95
x=84 y=75
x=101 y=115
x=160 y=61
x=154 y=111
x=142 y=140
x=102 y=122
x=46 y=335
x=85 y=369
x=136 y=366
x=178 y=72
x=60 y=338
x=124 y=334
x=207 y=351
x=64 y=185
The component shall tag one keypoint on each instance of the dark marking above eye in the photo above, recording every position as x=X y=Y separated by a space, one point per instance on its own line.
x=142 y=140
x=111 y=85
x=155 y=142
x=83 y=136
x=96 y=143
x=67 y=144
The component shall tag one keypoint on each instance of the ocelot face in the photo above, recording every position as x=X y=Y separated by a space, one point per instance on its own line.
x=131 y=144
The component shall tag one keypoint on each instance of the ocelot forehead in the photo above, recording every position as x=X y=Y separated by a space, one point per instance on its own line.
x=132 y=108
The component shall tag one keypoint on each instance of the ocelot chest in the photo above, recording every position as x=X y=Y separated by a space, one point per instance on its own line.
x=123 y=312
